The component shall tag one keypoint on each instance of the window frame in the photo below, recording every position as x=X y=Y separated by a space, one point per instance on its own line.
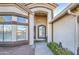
x=14 y=23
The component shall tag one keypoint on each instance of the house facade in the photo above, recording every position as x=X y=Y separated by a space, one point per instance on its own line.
x=26 y=23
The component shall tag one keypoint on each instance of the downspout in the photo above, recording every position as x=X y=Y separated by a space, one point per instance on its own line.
x=76 y=41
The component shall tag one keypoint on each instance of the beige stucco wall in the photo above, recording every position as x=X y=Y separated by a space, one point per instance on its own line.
x=13 y=9
x=64 y=30
x=40 y=20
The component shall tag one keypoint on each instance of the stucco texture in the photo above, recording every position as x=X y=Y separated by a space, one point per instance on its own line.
x=64 y=32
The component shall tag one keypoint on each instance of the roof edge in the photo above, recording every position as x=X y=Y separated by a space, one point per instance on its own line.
x=63 y=12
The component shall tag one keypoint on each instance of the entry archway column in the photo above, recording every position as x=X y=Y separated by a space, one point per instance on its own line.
x=31 y=29
x=49 y=18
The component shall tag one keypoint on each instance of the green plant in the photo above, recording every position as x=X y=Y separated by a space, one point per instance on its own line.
x=57 y=50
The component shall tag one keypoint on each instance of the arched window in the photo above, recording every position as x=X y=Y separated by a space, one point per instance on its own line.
x=41 y=31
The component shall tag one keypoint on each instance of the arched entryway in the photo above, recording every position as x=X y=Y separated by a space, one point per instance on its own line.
x=48 y=15
x=40 y=29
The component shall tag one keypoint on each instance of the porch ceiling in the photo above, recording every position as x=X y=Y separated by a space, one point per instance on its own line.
x=41 y=13
x=51 y=6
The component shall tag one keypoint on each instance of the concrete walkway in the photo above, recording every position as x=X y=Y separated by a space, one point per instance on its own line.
x=18 y=50
x=39 y=48
x=42 y=49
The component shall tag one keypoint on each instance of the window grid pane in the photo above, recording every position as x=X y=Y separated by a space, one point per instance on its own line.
x=1 y=32
x=7 y=32
x=21 y=32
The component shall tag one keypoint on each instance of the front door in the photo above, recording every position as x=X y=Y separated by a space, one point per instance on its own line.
x=41 y=32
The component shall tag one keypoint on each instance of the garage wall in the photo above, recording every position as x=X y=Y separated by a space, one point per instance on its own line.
x=64 y=32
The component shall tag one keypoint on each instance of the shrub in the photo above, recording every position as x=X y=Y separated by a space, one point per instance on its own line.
x=57 y=50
